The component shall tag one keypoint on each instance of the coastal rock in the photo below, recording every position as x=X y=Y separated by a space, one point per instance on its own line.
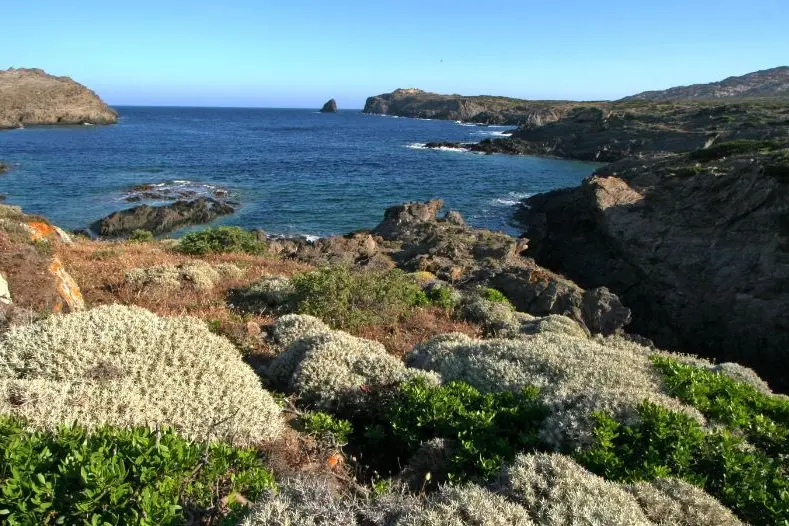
x=5 y=294
x=161 y=219
x=329 y=107
x=3 y=168
x=38 y=278
x=33 y=97
x=696 y=244
x=413 y=238
x=478 y=109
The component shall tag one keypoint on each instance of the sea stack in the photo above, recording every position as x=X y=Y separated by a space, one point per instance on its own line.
x=33 y=97
x=330 y=107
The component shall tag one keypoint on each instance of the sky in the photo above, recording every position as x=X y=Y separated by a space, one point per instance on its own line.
x=291 y=53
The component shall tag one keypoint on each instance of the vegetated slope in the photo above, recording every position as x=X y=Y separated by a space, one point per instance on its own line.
x=33 y=97
x=772 y=82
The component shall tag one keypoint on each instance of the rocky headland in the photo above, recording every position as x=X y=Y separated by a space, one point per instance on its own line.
x=329 y=107
x=31 y=97
x=479 y=109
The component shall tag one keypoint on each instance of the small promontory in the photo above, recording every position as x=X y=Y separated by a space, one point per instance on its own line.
x=482 y=109
x=330 y=107
x=33 y=97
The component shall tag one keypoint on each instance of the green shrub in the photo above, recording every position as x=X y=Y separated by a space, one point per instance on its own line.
x=736 y=147
x=141 y=236
x=325 y=426
x=493 y=295
x=761 y=417
x=117 y=476
x=347 y=299
x=668 y=444
x=442 y=297
x=487 y=429
x=221 y=239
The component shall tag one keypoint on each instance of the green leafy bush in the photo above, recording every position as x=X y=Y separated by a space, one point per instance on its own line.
x=725 y=149
x=751 y=482
x=324 y=425
x=493 y=295
x=442 y=297
x=221 y=239
x=347 y=299
x=117 y=476
x=487 y=429
x=141 y=236
x=762 y=418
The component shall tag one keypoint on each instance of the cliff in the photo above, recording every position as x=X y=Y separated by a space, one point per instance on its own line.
x=697 y=245
x=33 y=97
x=482 y=109
x=766 y=83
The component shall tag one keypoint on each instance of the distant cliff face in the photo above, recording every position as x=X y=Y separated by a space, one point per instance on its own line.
x=766 y=83
x=31 y=97
x=482 y=109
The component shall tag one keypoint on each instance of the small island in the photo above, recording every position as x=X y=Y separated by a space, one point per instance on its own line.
x=330 y=107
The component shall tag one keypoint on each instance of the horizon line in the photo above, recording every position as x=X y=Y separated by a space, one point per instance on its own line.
x=317 y=110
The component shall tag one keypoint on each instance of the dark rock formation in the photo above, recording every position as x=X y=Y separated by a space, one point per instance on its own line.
x=480 y=109
x=161 y=219
x=329 y=107
x=413 y=238
x=3 y=168
x=697 y=245
x=32 y=97
x=766 y=83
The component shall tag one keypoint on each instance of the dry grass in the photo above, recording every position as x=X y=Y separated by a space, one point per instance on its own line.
x=100 y=268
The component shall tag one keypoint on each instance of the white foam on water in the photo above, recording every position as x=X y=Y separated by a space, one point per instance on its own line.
x=511 y=199
x=423 y=146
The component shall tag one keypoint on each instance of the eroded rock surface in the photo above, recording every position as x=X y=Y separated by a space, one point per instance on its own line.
x=161 y=219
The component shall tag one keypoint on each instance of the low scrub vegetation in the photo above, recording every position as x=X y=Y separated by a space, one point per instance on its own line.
x=486 y=429
x=736 y=147
x=221 y=239
x=120 y=476
x=346 y=299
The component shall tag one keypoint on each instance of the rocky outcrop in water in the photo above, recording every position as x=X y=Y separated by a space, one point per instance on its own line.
x=481 y=109
x=766 y=83
x=161 y=219
x=697 y=245
x=33 y=97
x=329 y=107
x=413 y=237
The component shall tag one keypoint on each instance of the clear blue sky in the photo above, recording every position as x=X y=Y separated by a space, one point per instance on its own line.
x=291 y=53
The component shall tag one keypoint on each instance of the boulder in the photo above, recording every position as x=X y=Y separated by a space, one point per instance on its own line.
x=161 y=219
x=329 y=107
x=5 y=294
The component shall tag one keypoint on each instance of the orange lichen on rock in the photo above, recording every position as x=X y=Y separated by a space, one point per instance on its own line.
x=67 y=288
x=41 y=230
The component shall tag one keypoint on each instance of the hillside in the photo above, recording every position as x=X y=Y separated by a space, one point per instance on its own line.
x=772 y=82
x=33 y=97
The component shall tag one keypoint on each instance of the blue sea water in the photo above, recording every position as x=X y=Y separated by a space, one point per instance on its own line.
x=292 y=171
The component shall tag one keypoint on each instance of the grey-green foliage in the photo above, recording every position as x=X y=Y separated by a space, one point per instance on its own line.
x=331 y=368
x=127 y=367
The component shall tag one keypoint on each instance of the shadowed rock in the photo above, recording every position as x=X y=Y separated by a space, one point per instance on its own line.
x=329 y=107
x=161 y=219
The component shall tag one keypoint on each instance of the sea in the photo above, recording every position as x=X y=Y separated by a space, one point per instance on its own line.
x=290 y=171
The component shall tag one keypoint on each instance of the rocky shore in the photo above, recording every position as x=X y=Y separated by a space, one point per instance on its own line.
x=479 y=109
x=31 y=97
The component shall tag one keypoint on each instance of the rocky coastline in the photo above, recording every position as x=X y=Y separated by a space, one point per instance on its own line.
x=31 y=97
